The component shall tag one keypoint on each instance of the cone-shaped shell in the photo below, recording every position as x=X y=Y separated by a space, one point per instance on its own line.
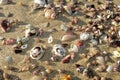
x=68 y=36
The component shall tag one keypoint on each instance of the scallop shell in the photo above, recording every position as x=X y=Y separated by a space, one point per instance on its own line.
x=110 y=68
x=50 y=39
x=84 y=36
x=9 y=59
x=100 y=60
x=68 y=36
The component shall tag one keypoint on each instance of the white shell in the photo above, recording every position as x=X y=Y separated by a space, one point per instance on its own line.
x=100 y=60
x=84 y=36
x=40 y=2
x=3 y=1
x=59 y=50
x=116 y=54
x=68 y=37
x=68 y=10
x=27 y=32
x=119 y=32
x=109 y=69
x=37 y=53
x=24 y=46
x=1 y=38
x=63 y=27
x=74 y=48
x=50 y=39
x=9 y=59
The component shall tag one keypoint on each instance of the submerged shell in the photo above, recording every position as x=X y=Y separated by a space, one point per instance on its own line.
x=50 y=39
x=68 y=36
x=9 y=59
x=84 y=36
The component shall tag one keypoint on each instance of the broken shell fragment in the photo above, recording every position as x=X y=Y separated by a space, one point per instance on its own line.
x=110 y=68
x=67 y=77
x=66 y=59
x=116 y=54
x=48 y=71
x=68 y=36
x=59 y=50
x=36 y=53
x=24 y=46
x=64 y=27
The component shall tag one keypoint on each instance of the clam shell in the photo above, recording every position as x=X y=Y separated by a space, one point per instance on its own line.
x=68 y=37
x=110 y=68
x=84 y=36
x=100 y=60
x=74 y=48
x=9 y=59
x=50 y=39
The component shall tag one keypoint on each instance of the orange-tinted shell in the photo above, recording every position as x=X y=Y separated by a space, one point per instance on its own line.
x=67 y=77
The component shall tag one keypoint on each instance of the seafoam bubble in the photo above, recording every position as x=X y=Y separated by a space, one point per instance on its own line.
x=9 y=59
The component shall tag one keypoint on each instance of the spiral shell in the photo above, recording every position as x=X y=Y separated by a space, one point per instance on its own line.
x=50 y=14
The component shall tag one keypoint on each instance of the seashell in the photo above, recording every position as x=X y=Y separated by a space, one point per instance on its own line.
x=79 y=43
x=43 y=73
x=59 y=50
x=64 y=27
x=100 y=60
x=9 y=41
x=84 y=36
x=36 y=53
x=41 y=3
x=99 y=69
x=103 y=78
x=67 y=77
x=66 y=59
x=73 y=55
x=68 y=36
x=47 y=62
x=8 y=67
x=50 y=14
x=54 y=58
x=50 y=39
x=75 y=20
x=94 y=42
x=2 y=38
x=74 y=48
x=68 y=9
x=24 y=46
x=48 y=71
x=36 y=72
x=94 y=51
x=116 y=54
x=6 y=76
x=9 y=59
x=110 y=68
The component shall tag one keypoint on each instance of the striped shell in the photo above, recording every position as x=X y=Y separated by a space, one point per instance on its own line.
x=50 y=14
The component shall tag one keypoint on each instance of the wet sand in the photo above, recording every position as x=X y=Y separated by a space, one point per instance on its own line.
x=37 y=19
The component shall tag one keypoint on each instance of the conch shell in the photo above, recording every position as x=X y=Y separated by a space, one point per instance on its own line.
x=50 y=13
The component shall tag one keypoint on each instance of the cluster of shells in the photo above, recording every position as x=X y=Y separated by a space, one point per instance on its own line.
x=102 y=29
